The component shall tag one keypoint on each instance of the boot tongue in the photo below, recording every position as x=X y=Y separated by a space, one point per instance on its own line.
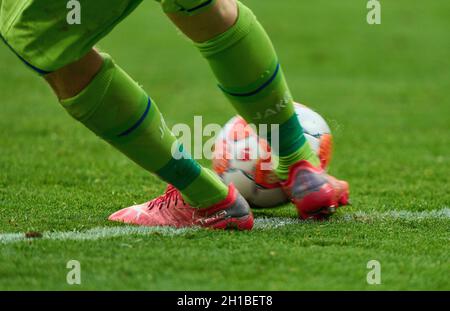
x=173 y=193
x=170 y=188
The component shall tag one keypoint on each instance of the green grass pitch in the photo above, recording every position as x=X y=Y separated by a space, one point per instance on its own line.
x=385 y=91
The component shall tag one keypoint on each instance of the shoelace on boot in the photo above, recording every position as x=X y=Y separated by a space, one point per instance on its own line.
x=170 y=195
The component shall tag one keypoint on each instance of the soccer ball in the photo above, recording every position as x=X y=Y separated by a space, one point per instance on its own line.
x=242 y=158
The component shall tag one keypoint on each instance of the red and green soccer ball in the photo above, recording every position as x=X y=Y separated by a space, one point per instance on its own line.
x=242 y=158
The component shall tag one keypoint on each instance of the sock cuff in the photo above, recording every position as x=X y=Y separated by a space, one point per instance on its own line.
x=245 y=21
x=112 y=105
x=181 y=170
x=196 y=195
x=83 y=105
x=290 y=137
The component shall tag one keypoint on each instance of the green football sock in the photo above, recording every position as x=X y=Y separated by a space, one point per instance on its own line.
x=247 y=68
x=283 y=163
x=116 y=108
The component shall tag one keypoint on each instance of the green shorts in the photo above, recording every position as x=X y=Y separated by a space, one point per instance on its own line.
x=38 y=32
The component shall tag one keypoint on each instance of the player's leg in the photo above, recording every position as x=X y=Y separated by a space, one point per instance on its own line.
x=116 y=108
x=99 y=94
x=70 y=80
x=246 y=65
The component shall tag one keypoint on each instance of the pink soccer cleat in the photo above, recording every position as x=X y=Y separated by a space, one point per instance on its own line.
x=171 y=210
x=316 y=194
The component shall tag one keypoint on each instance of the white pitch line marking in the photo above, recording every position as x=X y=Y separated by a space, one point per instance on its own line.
x=261 y=224
x=400 y=214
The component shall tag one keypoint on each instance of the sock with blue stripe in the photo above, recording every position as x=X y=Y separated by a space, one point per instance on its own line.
x=246 y=65
x=116 y=108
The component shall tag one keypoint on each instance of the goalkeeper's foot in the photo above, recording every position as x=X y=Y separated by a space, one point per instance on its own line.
x=171 y=210
x=316 y=194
